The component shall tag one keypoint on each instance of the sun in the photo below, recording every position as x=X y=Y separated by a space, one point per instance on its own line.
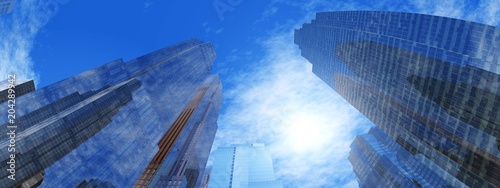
x=305 y=132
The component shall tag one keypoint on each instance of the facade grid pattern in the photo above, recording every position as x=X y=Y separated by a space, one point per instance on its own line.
x=431 y=83
x=106 y=122
x=243 y=166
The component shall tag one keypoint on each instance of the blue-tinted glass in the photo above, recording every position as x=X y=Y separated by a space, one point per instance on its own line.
x=429 y=82
x=105 y=123
x=243 y=166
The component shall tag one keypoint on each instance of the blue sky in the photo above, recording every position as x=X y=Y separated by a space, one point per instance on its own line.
x=270 y=94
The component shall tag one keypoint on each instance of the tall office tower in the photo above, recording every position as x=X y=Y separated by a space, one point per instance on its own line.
x=94 y=183
x=106 y=123
x=431 y=83
x=206 y=179
x=245 y=166
x=6 y=6
x=183 y=165
x=378 y=160
x=20 y=89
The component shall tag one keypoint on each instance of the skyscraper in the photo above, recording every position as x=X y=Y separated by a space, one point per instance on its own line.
x=184 y=165
x=106 y=123
x=206 y=179
x=378 y=160
x=94 y=183
x=245 y=166
x=431 y=83
x=6 y=6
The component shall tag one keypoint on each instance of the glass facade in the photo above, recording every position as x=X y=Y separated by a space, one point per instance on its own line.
x=184 y=165
x=431 y=83
x=105 y=123
x=206 y=178
x=94 y=183
x=379 y=161
x=21 y=89
x=6 y=6
x=243 y=166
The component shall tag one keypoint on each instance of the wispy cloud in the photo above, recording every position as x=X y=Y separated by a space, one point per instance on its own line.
x=487 y=12
x=18 y=31
x=209 y=30
x=303 y=121
x=219 y=31
x=482 y=11
x=146 y=5
x=268 y=12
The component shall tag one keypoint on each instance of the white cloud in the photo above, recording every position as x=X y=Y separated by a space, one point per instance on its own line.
x=219 y=31
x=18 y=31
x=488 y=12
x=493 y=13
x=268 y=12
x=482 y=11
x=453 y=8
x=146 y=5
x=303 y=121
x=210 y=30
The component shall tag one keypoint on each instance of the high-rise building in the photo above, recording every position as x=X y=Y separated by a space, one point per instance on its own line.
x=206 y=179
x=94 y=183
x=20 y=89
x=184 y=165
x=109 y=122
x=431 y=83
x=380 y=161
x=243 y=166
x=6 y=6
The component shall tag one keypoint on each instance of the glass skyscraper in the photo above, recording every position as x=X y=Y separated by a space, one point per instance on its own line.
x=431 y=83
x=6 y=6
x=243 y=166
x=108 y=123
x=185 y=147
x=380 y=161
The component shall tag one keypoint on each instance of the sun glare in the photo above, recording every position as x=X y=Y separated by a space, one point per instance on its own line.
x=305 y=133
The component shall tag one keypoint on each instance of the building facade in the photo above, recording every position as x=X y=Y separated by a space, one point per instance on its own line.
x=183 y=165
x=106 y=123
x=6 y=6
x=431 y=83
x=379 y=160
x=206 y=179
x=243 y=166
x=94 y=183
